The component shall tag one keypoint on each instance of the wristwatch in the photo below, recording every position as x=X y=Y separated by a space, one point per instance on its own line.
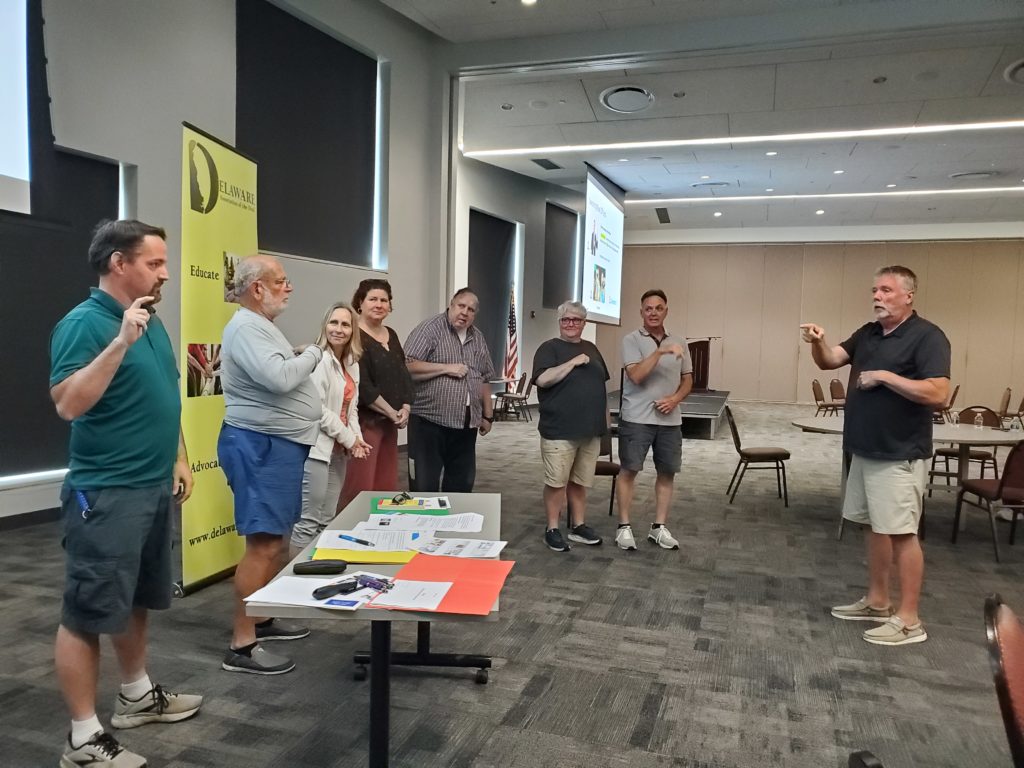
x=488 y=419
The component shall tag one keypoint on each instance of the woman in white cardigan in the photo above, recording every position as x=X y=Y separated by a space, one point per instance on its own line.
x=337 y=378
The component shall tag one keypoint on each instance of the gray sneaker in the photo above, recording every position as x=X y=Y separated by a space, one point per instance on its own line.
x=861 y=611
x=157 y=706
x=278 y=629
x=662 y=538
x=260 y=662
x=101 y=751
x=624 y=538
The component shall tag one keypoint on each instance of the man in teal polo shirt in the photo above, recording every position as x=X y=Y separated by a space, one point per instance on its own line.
x=113 y=376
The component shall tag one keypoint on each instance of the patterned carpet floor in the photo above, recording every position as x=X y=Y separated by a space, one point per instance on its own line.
x=719 y=655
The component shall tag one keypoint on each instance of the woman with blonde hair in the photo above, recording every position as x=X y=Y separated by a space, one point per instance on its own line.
x=337 y=379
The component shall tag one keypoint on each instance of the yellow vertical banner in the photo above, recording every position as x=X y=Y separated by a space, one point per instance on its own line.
x=218 y=227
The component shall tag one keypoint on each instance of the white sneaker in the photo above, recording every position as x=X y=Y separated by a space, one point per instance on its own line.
x=662 y=538
x=101 y=750
x=624 y=538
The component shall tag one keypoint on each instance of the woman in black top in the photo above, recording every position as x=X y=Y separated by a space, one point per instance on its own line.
x=385 y=393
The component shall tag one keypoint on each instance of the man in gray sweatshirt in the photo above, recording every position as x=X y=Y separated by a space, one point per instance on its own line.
x=272 y=413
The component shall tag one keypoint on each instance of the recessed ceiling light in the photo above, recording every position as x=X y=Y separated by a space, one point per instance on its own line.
x=819 y=212
x=890 y=186
x=529 y=2
x=705 y=177
x=972 y=175
x=770 y=154
x=770 y=189
x=623 y=159
x=717 y=214
x=838 y=172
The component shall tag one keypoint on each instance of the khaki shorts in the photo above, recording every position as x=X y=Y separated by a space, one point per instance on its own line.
x=566 y=460
x=887 y=495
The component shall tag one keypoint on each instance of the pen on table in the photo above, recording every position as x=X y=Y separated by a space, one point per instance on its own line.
x=364 y=542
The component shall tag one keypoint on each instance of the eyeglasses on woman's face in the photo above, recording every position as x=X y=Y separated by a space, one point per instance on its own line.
x=572 y=321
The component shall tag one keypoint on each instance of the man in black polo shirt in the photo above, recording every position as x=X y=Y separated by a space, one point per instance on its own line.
x=899 y=374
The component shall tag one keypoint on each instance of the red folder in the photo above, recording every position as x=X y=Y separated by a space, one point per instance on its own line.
x=475 y=583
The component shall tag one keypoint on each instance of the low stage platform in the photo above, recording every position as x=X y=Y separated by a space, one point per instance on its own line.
x=703 y=412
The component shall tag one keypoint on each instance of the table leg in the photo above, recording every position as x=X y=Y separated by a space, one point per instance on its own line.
x=844 y=472
x=963 y=466
x=380 y=692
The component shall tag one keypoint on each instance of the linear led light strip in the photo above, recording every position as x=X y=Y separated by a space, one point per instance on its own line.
x=823 y=196
x=720 y=140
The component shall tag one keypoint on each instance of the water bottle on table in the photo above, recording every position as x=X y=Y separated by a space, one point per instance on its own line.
x=954 y=419
x=979 y=422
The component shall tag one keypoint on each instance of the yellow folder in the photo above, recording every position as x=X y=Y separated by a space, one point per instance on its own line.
x=365 y=556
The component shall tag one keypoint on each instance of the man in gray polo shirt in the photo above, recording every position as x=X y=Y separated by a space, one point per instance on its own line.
x=658 y=376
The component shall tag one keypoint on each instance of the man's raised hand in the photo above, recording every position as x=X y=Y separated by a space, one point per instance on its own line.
x=134 y=321
x=811 y=333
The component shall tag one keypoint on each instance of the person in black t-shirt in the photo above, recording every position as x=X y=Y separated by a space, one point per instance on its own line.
x=570 y=377
x=899 y=373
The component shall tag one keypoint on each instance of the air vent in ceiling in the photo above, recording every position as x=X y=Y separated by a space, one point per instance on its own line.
x=711 y=184
x=663 y=215
x=546 y=164
x=626 y=99
x=1014 y=74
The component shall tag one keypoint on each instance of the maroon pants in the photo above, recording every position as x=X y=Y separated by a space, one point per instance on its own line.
x=379 y=470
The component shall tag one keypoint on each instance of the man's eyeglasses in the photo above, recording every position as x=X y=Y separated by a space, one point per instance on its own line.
x=572 y=321
x=281 y=281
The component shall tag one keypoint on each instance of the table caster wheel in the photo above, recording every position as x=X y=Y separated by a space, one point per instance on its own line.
x=359 y=673
x=480 y=677
x=177 y=589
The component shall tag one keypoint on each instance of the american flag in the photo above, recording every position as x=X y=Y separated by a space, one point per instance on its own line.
x=512 y=347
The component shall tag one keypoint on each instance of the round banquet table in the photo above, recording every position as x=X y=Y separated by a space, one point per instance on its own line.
x=963 y=436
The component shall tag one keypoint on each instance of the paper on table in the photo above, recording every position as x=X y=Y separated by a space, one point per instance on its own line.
x=380 y=539
x=298 y=590
x=475 y=583
x=460 y=547
x=413 y=595
x=465 y=522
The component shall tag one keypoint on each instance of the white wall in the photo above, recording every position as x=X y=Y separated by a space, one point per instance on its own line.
x=124 y=74
x=512 y=197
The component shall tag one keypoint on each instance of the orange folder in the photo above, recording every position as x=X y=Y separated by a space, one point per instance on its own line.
x=475 y=583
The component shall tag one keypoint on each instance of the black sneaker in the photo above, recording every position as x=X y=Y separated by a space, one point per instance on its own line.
x=553 y=538
x=584 y=534
x=281 y=630
x=260 y=662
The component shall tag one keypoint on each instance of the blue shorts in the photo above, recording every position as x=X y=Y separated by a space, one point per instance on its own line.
x=635 y=440
x=265 y=475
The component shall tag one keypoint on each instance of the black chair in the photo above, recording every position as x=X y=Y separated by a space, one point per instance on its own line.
x=838 y=394
x=605 y=468
x=1006 y=658
x=824 y=406
x=1006 y=491
x=772 y=458
x=507 y=403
